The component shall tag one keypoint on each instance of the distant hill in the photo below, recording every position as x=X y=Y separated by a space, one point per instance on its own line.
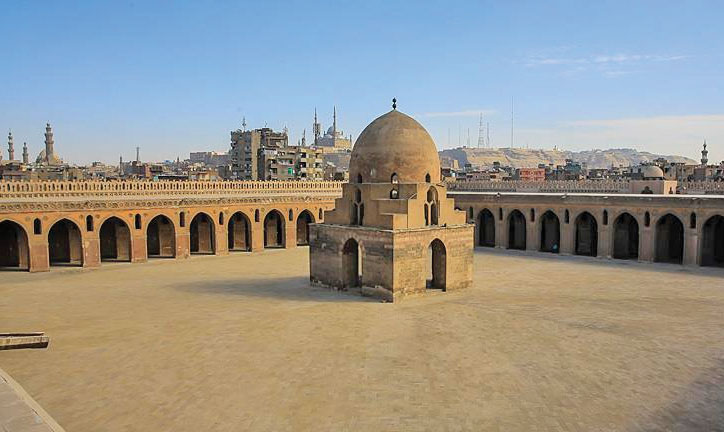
x=528 y=158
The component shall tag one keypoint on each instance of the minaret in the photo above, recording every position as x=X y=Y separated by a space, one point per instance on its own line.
x=704 y=154
x=304 y=138
x=11 y=146
x=26 y=156
x=334 y=123
x=49 y=151
x=138 y=155
x=316 y=128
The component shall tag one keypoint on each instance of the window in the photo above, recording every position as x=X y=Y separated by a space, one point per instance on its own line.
x=500 y=214
x=359 y=178
x=88 y=223
x=394 y=194
x=647 y=219
x=137 y=221
x=182 y=219
x=692 y=221
x=567 y=216
x=37 y=227
x=427 y=178
x=605 y=217
x=321 y=214
x=256 y=215
x=394 y=179
x=221 y=218
x=291 y=215
x=532 y=215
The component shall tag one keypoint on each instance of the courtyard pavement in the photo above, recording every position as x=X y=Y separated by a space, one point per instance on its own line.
x=540 y=343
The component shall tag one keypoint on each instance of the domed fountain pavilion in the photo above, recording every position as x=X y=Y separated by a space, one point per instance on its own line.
x=393 y=233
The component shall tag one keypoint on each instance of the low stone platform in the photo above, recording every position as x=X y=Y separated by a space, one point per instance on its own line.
x=23 y=340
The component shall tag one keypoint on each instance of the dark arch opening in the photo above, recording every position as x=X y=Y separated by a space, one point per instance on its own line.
x=359 y=178
x=303 y=220
x=712 y=246
x=37 y=226
x=65 y=244
x=239 y=232
x=202 y=235
x=321 y=215
x=115 y=239
x=486 y=229
x=89 y=223
x=394 y=179
x=669 y=240
x=273 y=230
x=586 y=235
x=161 y=237
x=427 y=178
x=221 y=218
x=137 y=221
x=351 y=264
x=516 y=230
x=625 y=237
x=437 y=265
x=550 y=233
x=14 y=247
x=434 y=207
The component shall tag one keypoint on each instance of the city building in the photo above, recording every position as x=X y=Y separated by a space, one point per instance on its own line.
x=252 y=152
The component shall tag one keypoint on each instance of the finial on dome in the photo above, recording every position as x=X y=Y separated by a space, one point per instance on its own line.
x=394 y=103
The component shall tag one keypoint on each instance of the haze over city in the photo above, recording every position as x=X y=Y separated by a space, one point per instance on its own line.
x=174 y=79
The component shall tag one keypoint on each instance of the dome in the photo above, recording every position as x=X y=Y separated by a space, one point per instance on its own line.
x=394 y=143
x=652 y=172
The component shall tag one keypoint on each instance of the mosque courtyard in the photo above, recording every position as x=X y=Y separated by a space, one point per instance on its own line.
x=540 y=343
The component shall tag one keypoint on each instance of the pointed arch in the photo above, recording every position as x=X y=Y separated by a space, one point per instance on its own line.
x=486 y=228
x=516 y=230
x=239 y=232
x=437 y=265
x=625 y=237
x=669 y=240
x=115 y=240
x=303 y=220
x=14 y=246
x=161 y=237
x=550 y=232
x=202 y=232
x=586 y=235
x=274 y=230
x=65 y=243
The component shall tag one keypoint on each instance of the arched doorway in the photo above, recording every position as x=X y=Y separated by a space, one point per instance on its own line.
x=65 y=245
x=625 y=237
x=516 y=230
x=351 y=264
x=303 y=220
x=437 y=265
x=486 y=228
x=586 y=235
x=669 y=240
x=115 y=239
x=712 y=246
x=550 y=233
x=203 y=235
x=273 y=230
x=161 y=238
x=14 y=248
x=239 y=237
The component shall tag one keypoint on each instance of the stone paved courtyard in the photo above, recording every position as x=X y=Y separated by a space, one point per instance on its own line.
x=242 y=343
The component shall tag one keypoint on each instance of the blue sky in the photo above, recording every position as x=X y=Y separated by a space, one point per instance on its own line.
x=174 y=77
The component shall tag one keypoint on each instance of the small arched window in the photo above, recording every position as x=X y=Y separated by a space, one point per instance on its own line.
x=182 y=219
x=256 y=215
x=359 y=178
x=394 y=194
x=137 y=221
x=692 y=221
x=427 y=178
x=357 y=195
x=291 y=215
x=321 y=214
x=647 y=219
x=605 y=217
x=567 y=216
x=221 y=218
x=500 y=214
x=394 y=179
x=37 y=226
x=471 y=213
x=532 y=215
x=88 y=223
